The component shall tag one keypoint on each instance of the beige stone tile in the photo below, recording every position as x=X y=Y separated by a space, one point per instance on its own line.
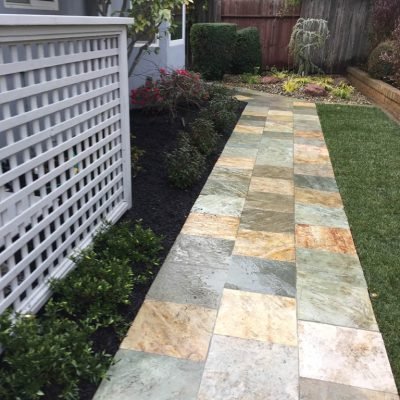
x=278 y=126
x=236 y=162
x=336 y=240
x=273 y=113
x=270 y=185
x=218 y=226
x=267 y=245
x=344 y=355
x=304 y=104
x=318 y=197
x=257 y=316
x=176 y=330
x=324 y=170
x=309 y=134
x=254 y=130
x=242 y=98
x=310 y=154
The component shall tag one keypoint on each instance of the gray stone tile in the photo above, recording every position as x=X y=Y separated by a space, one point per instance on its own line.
x=201 y=251
x=311 y=389
x=225 y=188
x=144 y=376
x=244 y=140
x=316 y=182
x=267 y=221
x=332 y=267
x=277 y=153
x=270 y=202
x=310 y=142
x=332 y=303
x=270 y=171
x=277 y=135
x=262 y=276
x=249 y=370
x=219 y=205
x=188 y=284
x=252 y=120
x=319 y=215
x=239 y=152
x=231 y=174
x=346 y=356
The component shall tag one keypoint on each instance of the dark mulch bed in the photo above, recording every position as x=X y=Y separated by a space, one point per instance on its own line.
x=159 y=205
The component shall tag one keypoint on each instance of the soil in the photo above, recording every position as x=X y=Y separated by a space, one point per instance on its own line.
x=158 y=204
x=276 y=88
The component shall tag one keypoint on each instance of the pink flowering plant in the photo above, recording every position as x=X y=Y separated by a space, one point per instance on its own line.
x=174 y=89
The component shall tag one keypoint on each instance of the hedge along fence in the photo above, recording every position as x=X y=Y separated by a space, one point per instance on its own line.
x=218 y=48
x=64 y=145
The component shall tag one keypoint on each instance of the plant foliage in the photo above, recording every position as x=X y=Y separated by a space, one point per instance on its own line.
x=203 y=135
x=247 y=51
x=380 y=61
x=307 y=43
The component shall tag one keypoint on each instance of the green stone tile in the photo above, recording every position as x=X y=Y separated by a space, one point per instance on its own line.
x=252 y=118
x=276 y=135
x=268 y=221
x=225 y=188
x=319 y=215
x=244 y=140
x=316 y=182
x=277 y=153
x=270 y=171
x=239 y=152
x=332 y=267
x=230 y=174
x=144 y=376
x=219 y=205
x=334 y=303
x=262 y=276
x=270 y=202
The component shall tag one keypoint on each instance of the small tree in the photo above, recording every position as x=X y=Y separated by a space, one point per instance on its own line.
x=149 y=17
x=308 y=38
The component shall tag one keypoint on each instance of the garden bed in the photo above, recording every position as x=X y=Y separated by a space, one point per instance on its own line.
x=356 y=97
x=383 y=94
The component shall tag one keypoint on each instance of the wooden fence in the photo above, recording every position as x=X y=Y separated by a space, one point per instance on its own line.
x=348 y=24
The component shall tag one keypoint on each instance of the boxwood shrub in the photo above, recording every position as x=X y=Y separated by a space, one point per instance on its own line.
x=212 y=46
x=377 y=67
x=247 y=52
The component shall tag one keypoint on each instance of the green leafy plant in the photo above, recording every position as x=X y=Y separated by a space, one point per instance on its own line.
x=279 y=74
x=42 y=354
x=250 y=79
x=247 y=51
x=213 y=48
x=307 y=43
x=203 y=135
x=380 y=61
x=302 y=80
x=216 y=90
x=344 y=91
x=185 y=164
x=136 y=155
x=325 y=81
x=291 y=86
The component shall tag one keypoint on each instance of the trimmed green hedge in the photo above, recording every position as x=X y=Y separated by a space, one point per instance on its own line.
x=247 y=53
x=213 y=46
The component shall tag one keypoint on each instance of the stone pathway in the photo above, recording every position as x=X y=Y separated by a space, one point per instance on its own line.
x=262 y=296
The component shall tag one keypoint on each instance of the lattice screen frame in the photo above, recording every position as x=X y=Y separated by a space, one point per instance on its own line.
x=64 y=145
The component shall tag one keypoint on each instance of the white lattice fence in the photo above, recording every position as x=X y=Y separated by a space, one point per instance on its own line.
x=64 y=145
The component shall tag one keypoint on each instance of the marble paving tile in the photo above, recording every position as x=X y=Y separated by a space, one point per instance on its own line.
x=336 y=240
x=239 y=152
x=270 y=185
x=278 y=127
x=311 y=389
x=222 y=227
x=226 y=188
x=267 y=135
x=262 y=276
x=201 y=251
x=188 y=284
x=257 y=316
x=308 y=154
x=249 y=370
x=236 y=162
x=322 y=170
x=268 y=221
x=270 y=202
x=276 y=153
x=144 y=376
x=309 y=142
x=332 y=267
x=242 y=98
x=272 y=113
x=252 y=118
x=334 y=303
x=344 y=355
x=252 y=121
x=280 y=118
x=309 y=134
x=303 y=104
x=230 y=174
x=176 y=330
x=316 y=182
x=270 y=171
x=253 y=130
x=318 y=197
x=219 y=205
x=267 y=245
x=304 y=125
x=301 y=118
x=256 y=111
x=323 y=216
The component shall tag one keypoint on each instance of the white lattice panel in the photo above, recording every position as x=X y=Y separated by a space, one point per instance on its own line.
x=64 y=149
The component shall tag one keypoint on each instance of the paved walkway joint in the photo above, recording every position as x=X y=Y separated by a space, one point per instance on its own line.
x=262 y=296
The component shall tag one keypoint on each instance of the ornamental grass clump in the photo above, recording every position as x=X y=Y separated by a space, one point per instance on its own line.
x=307 y=44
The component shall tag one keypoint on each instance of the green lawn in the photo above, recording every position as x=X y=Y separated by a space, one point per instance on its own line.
x=364 y=146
